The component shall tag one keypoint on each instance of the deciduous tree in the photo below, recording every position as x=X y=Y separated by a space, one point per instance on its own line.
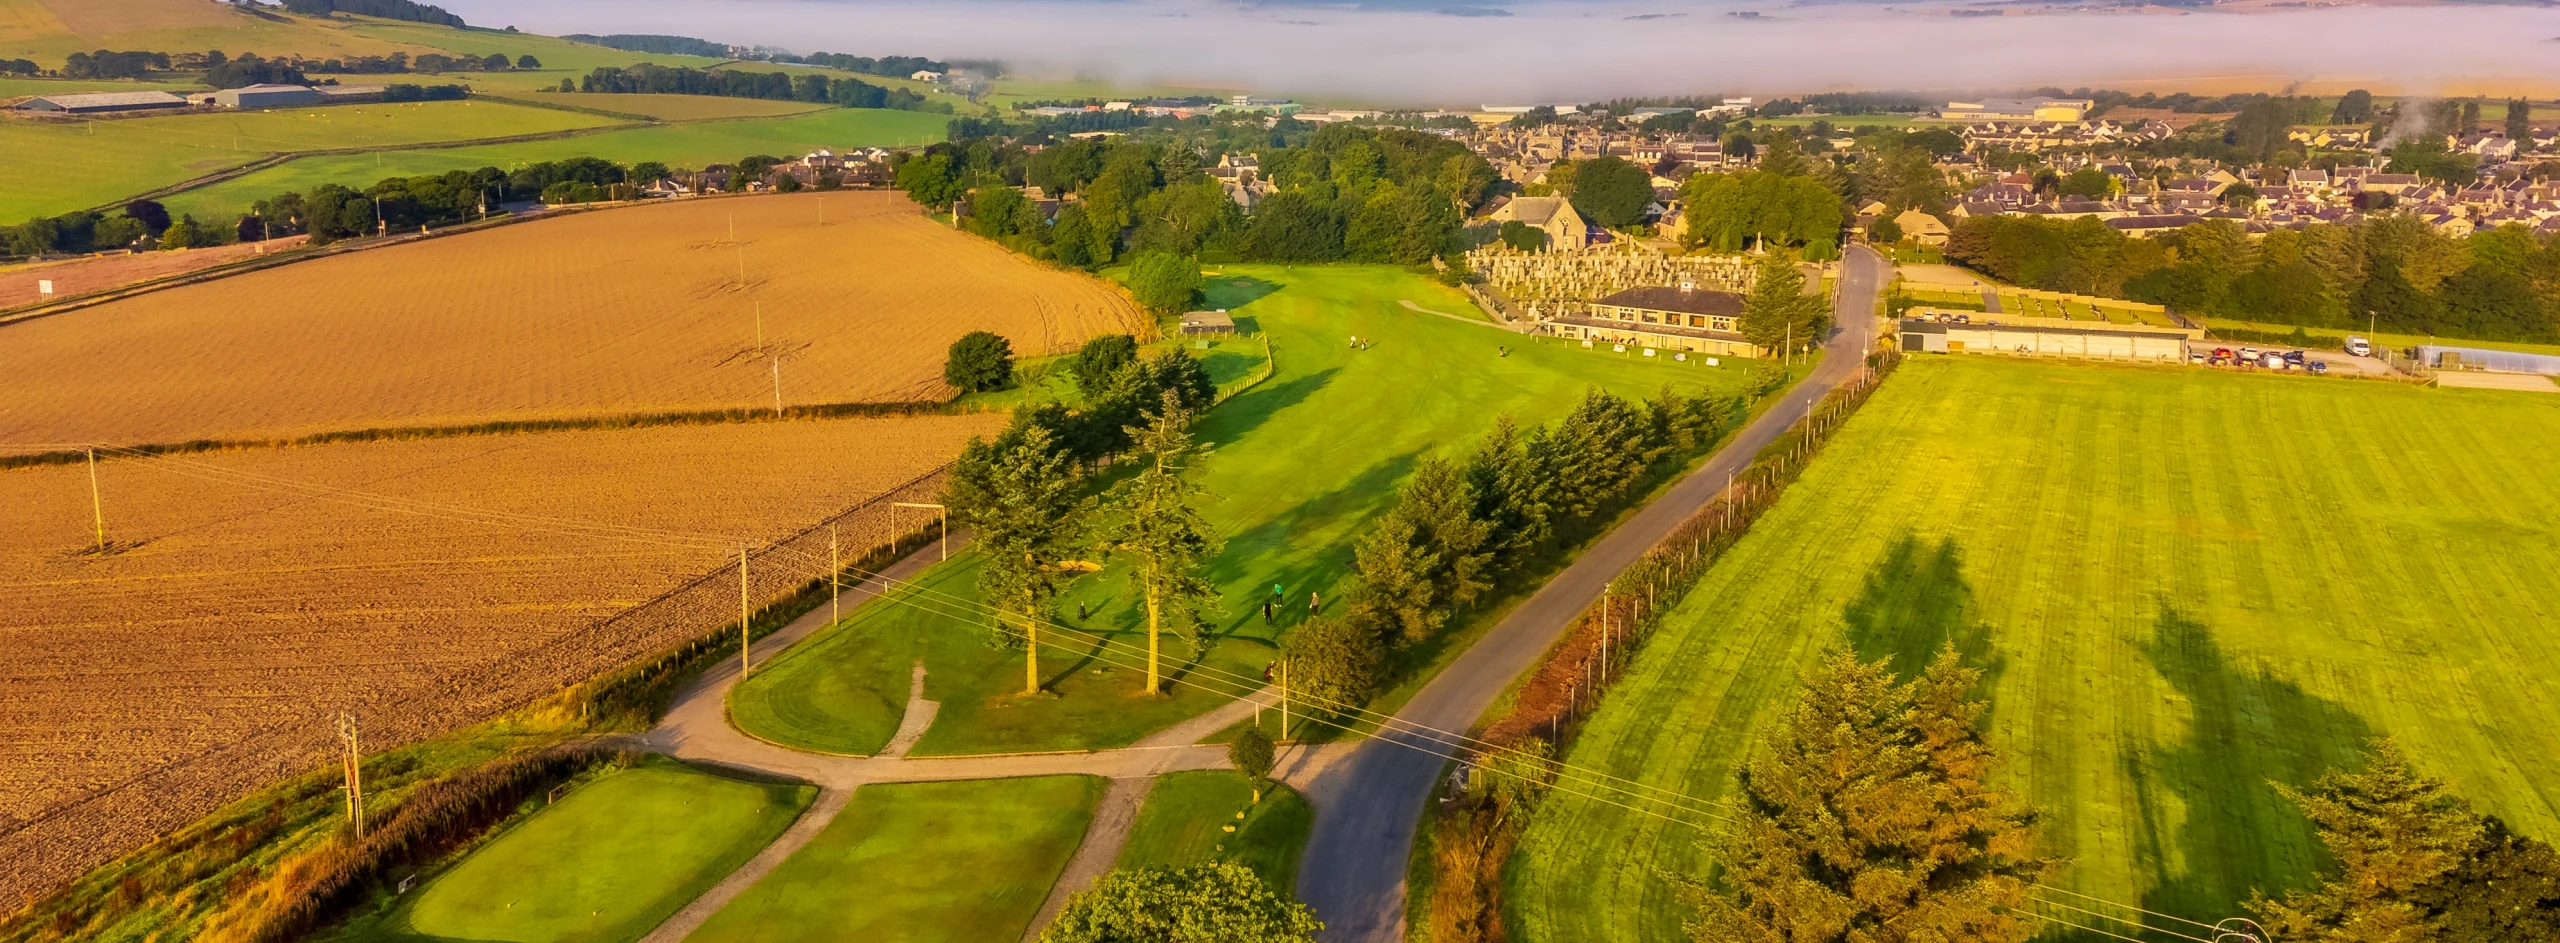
x=1019 y=495
x=1164 y=536
x=1211 y=903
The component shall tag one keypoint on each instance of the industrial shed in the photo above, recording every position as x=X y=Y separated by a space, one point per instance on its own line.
x=266 y=96
x=90 y=103
x=1208 y=322
x=2117 y=342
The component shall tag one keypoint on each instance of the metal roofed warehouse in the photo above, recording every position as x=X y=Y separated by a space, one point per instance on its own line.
x=97 y=102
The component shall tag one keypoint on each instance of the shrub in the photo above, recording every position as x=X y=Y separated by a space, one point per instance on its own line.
x=979 y=361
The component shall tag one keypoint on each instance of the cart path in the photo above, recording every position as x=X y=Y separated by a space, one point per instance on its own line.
x=912 y=724
x=1369 y=801
x=1107 y=833
x=1410 y=306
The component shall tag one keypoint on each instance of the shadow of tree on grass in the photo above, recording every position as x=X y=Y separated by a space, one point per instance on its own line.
x=2231 y=832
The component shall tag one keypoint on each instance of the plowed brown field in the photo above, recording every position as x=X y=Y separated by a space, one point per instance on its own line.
x=620 y=311
x=421 y=583
x=24 y=284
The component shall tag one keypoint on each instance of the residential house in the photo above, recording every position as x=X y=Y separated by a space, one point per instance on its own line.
x=1687 y=319
x=1921 y=227
x=1554 y=215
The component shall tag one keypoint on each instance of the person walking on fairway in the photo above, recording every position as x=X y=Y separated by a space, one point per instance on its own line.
x=1266 y=612
x=1315 y=604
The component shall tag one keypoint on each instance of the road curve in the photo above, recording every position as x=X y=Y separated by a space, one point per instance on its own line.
x=1368 y=802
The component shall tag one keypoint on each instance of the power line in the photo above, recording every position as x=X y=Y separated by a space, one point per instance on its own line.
x=1101 y=646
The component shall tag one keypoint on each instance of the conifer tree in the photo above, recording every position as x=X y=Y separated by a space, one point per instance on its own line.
x=1393 y=593
x=1866 y=817
x=1163 y=533
x=1441 y=508
x=1778 y=312
x=1019 y=495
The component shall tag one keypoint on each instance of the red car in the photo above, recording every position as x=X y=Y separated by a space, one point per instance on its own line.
x=2222 y=356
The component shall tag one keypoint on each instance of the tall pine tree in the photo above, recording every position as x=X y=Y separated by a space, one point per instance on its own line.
x=1866 y=817
x=1778 y=315
x=1162 y=532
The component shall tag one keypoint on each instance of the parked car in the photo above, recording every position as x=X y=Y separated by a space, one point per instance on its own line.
x=2273 y=360
x=2249 y=355
x=2221 y=356
x=2359 y=346
x=2195 y=356
x=2293 y=358
x=2319 y=366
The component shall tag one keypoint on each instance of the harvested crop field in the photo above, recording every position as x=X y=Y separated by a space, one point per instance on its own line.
x=614 y=312
x=23 y=284
x=423 y=584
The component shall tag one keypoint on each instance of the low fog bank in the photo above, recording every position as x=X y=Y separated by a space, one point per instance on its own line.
x=1587 y=51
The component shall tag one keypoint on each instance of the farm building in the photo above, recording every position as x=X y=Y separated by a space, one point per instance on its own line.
x=349 y=94
x=102 y=102
x=266 y=96
x=1208 y=322
x=1684 y=318
x=2114 y=342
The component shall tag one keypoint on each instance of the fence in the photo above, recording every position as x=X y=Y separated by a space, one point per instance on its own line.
x=1569 y=684
x=72 y=837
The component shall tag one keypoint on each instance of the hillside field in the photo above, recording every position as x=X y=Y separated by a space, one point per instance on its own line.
x=616 y=311
x=1293 y=472
x=2183 y=586
x=676 y=145
x=97 y=162
x=246 y=590
x=24 y=284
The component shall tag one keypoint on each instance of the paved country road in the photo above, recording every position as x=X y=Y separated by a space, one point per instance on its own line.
x=1368 y=802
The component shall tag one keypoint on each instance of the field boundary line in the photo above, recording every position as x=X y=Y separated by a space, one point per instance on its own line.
x=698 y=417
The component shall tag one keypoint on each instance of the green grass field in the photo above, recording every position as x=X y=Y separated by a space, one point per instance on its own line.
x=88 y=163
x=668 y=107
x=2183 y=585
x=1184 y=822
x=687 y=145
x=1295 y=468
x=966 y=862
x=612 y=860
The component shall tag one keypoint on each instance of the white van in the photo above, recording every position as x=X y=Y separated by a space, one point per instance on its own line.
x=2359 y=346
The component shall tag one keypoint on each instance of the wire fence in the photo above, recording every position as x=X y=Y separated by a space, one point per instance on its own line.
x=75 y=835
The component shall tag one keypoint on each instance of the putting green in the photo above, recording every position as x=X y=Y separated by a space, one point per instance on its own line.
x=1294 y=469
x=966 y=862
x=2183 y=585
x=611 y=861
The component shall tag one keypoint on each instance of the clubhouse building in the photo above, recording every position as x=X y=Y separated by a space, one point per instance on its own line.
x=1687 y=318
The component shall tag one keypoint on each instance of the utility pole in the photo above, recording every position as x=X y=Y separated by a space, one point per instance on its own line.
x=97 y=505
x=834 y=569
x=743 y=615
x=354 y=769
x=777 y=386
x=1030 y=655
x=1284 y=699
x=742 y=279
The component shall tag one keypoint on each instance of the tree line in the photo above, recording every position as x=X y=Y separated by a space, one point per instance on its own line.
x=386 y=9
x=330 y=212
x=1462 y=530
x=1344 y=194
x=648 y=78
x=2392 y=271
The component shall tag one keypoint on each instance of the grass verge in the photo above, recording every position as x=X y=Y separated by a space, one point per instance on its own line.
x=1204 y=816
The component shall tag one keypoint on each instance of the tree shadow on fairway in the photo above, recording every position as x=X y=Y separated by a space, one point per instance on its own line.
x=1238 y=417
x=1916 y=602
x=2211 y=827
x=1229 y=292
x=1361 y=496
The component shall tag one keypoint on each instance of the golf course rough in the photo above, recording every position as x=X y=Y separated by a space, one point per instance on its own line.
x=612 y=860
x=2182 y=586
x=1293 y=471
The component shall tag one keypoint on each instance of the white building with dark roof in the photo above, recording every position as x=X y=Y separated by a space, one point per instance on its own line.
x=90 y=103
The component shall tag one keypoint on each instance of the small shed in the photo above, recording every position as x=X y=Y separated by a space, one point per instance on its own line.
x=266 y=96
x=1199 y=323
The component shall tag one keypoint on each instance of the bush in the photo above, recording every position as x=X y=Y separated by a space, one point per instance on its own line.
x=979 y=361
x=1099 y=358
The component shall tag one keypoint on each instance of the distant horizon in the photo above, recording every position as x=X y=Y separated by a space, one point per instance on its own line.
x=1591 y=50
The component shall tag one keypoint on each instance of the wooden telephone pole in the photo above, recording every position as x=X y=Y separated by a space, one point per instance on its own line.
x=97 y=505
x=354 y=773
x=834 y=568
x=743 y=614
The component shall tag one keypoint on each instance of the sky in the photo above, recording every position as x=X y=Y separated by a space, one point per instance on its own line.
x=1565 y=51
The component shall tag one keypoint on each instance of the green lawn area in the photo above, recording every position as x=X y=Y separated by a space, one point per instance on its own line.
x=1294 y=469
x=88 y=163
x=2183 y=585
x=967 y=862
x=692 y=145
x=560 y=58
x=1185 y=819
x=611 y=861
